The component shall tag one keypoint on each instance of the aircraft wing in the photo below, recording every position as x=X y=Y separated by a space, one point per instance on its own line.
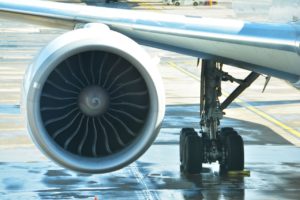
x=271 y=49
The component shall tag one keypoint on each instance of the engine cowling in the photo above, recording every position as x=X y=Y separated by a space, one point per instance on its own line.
x=93 y=100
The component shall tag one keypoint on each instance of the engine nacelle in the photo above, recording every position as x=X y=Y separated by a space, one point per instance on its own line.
x=93 y=100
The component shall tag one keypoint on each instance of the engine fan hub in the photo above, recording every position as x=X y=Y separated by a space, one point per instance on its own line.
x=93 y=100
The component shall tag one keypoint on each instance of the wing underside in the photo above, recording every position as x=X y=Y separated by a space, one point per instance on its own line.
x=243 y=44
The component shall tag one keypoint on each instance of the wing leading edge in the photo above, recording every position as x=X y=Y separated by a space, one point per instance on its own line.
x=272 y=49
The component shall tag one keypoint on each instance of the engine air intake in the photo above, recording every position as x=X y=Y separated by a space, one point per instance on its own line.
x=94 y=104
x=93 y=100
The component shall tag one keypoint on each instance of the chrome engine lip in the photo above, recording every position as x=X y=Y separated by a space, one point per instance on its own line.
x=42 y=68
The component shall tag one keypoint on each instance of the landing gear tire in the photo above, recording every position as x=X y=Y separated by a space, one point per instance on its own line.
x=192 y=154
x=183 y=134
x=234 y=151
x=225 y=132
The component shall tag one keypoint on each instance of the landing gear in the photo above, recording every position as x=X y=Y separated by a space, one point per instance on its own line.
x=213 y=143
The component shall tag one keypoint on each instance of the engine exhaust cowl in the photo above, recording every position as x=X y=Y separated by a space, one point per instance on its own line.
x=93 y=100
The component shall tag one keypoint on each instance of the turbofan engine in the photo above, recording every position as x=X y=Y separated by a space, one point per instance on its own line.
x=93 y=100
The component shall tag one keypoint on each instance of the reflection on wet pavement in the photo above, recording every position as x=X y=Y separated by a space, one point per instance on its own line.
x=156 y=174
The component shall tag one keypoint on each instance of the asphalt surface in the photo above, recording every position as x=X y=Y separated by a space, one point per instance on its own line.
x=269 y=123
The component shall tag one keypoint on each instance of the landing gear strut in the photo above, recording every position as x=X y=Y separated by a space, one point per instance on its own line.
x=213 y=143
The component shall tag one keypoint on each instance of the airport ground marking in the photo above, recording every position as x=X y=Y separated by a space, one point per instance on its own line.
x=246 y=105
x=140 y=179
x=147 y=6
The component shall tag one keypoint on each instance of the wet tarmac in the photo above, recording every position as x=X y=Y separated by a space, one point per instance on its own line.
x=267 y=123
